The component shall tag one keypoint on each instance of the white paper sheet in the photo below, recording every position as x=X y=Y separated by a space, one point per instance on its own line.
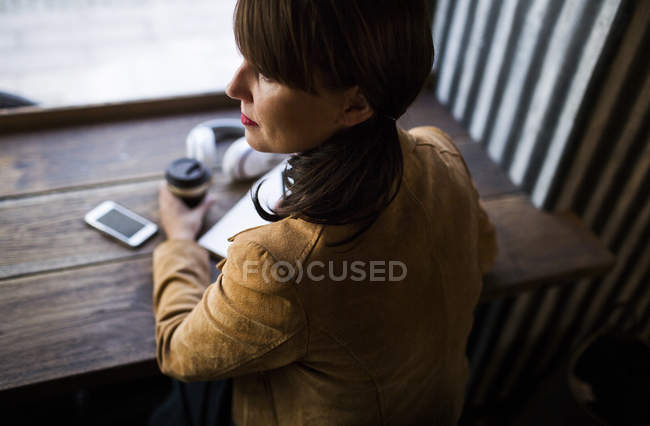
x=243 y=214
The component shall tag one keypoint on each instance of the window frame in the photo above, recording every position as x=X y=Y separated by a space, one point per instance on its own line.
x=30 y=118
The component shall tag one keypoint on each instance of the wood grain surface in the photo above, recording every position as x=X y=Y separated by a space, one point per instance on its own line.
x=92 y=154
x=72 y=322
x=538 y=248
x=74 y=303
x=48 y=232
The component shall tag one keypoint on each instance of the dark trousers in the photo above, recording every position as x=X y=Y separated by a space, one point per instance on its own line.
x=196 y=404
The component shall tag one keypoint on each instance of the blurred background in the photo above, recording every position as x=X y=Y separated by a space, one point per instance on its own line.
x=76 y=52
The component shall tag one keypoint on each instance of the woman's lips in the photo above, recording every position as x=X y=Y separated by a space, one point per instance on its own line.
x=247 y=121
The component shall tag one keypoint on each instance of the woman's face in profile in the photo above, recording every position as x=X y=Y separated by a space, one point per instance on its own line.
x=281 y=119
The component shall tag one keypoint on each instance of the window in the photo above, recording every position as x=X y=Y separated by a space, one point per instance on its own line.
x=77 y=52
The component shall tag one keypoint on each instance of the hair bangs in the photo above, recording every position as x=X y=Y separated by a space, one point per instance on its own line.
x=275 y=40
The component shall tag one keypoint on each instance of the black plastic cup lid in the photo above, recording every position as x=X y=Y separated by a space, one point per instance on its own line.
x=187 y=173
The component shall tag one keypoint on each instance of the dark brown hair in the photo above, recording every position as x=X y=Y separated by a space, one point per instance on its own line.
x=382 y=46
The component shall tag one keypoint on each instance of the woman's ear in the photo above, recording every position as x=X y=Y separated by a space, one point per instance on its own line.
x=355 y=107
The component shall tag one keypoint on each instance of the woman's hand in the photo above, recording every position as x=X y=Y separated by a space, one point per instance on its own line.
x=177 y=220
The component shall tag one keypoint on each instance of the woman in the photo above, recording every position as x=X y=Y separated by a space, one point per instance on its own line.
x=354 y=305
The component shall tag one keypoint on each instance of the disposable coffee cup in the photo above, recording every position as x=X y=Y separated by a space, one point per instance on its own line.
x=188 y=179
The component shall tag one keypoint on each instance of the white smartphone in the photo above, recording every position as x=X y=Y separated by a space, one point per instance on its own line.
x=120 y=223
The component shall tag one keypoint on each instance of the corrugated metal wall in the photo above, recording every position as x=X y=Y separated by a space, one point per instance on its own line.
x=558 y=92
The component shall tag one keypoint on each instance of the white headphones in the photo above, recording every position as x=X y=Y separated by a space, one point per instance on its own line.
x=202 y=140
x=240 y=161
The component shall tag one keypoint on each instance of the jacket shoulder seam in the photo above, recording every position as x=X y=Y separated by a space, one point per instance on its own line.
x=293 y=287
x=301 y=257
x=440 y=150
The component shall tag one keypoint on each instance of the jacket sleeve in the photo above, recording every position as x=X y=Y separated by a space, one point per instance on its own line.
x=244 y=322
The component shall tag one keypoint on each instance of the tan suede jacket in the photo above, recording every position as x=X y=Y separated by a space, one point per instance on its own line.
x=313 y=338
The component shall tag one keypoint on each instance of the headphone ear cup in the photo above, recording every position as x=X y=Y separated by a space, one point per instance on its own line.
x=241 y=162
x=234 y=159
x=200 y=145
x=207 y=150
x=190 y=143
x=225 y=128
x=190 y=146
x=201 y=142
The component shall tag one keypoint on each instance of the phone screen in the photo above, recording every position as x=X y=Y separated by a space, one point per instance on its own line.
x=121 y=223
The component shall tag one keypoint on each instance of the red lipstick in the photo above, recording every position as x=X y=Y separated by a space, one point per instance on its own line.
x=247 y=121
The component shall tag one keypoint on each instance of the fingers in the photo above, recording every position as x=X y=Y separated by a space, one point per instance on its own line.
x=166 y=199
x=163 y=191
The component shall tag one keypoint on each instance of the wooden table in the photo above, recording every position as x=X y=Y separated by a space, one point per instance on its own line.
x=76 y=308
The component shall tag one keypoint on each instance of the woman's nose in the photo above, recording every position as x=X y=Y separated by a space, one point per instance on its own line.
x=238 y=86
